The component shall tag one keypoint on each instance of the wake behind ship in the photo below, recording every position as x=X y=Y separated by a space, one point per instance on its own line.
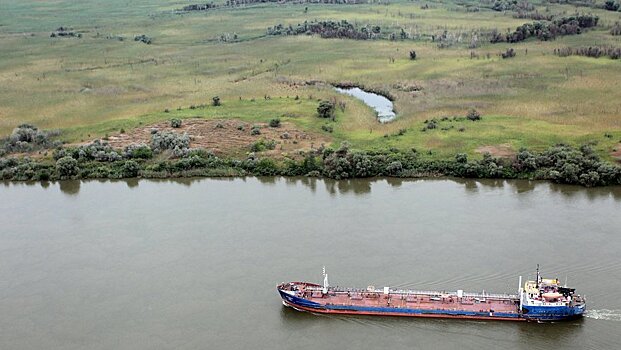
x=539 y=300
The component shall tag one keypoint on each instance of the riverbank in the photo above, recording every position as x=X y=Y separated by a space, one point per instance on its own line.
x=560 y=164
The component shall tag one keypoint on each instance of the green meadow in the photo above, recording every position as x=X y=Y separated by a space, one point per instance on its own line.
x=97 y=84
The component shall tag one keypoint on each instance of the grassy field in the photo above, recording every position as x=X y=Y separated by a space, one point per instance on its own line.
x=96 y=85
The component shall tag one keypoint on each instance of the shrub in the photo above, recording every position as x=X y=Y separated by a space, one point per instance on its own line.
x=327 y=128
x=325 y=109
x=432 y=124
x=611 y=5
x=43 y=175
x=143 y=38
x=97 y=150
x=473 y=115
x=263 y=145
x=67 y=167
x=412 y=54
x=215 y=101
x=130 y=168
x=138 y=151
x=616 y=29
x=510 y=53
x=394 y=168
x=175 y=123
x=162 y=141
x=275 y=123
x=27 y=138
x=256 y=130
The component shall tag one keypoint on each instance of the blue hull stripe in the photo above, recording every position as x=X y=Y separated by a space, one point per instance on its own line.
x=542 y=313
x=420 y=311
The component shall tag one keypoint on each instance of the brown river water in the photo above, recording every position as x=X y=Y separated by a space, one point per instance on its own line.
x=193 y=264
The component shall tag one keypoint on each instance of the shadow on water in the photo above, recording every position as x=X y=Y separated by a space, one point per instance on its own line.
x=70 y=187
x=526 y=186
x=358 y=186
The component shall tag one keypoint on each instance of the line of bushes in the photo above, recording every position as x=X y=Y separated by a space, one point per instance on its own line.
x=561 y=164
x=591 y=51
x=337 y=29
x=548 y=30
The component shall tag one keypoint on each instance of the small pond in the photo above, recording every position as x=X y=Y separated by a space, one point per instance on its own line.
x=383 y=107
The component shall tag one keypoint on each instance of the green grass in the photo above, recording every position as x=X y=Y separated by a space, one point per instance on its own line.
x=93 y=86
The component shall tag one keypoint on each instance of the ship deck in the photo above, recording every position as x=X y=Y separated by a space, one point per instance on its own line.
x=410 y=299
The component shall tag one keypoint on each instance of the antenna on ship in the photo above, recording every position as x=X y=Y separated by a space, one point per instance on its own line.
x=520 y=292
x=325 y=281
x=538 y=276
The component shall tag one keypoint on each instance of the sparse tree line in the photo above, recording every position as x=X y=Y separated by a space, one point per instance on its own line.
x=547 y=30
x=337 y=29
x=512 y=5
x=237 y=3
x=327 y=29
x=591 y=51
x=561 y=164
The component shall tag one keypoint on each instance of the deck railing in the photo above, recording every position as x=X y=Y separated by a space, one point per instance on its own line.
x=408 y=292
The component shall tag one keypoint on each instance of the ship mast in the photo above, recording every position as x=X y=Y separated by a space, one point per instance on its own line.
x=325 y=281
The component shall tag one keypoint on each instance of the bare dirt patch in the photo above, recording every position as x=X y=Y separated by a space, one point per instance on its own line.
x=501 y=151
x=228 y=136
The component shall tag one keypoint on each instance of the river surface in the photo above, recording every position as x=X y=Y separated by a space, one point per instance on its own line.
x=383 y=107
x=193 y=264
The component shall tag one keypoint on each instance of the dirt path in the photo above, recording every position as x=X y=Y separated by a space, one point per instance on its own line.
x=501 y=151
x=228 y=136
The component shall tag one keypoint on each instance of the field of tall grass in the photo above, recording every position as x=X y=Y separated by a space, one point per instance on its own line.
x=97 y=84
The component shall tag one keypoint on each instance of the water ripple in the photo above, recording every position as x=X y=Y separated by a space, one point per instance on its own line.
x=604 y=314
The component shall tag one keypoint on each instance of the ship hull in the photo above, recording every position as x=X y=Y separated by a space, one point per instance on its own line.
x=302 y=304
x=411 y=313
x=324 y=307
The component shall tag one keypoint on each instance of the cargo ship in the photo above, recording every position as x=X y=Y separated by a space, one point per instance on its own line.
x=539 y=300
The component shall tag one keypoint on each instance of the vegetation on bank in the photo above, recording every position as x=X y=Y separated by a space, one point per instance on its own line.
x=169 y=155
x=440 y=64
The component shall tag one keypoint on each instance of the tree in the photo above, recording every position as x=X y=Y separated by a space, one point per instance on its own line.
x=325 y=109
x=412 y=54
x=67 y=167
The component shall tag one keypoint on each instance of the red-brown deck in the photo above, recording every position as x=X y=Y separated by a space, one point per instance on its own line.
x=484 y=304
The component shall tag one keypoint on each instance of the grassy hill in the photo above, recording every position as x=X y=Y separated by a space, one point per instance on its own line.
x=103 y=81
